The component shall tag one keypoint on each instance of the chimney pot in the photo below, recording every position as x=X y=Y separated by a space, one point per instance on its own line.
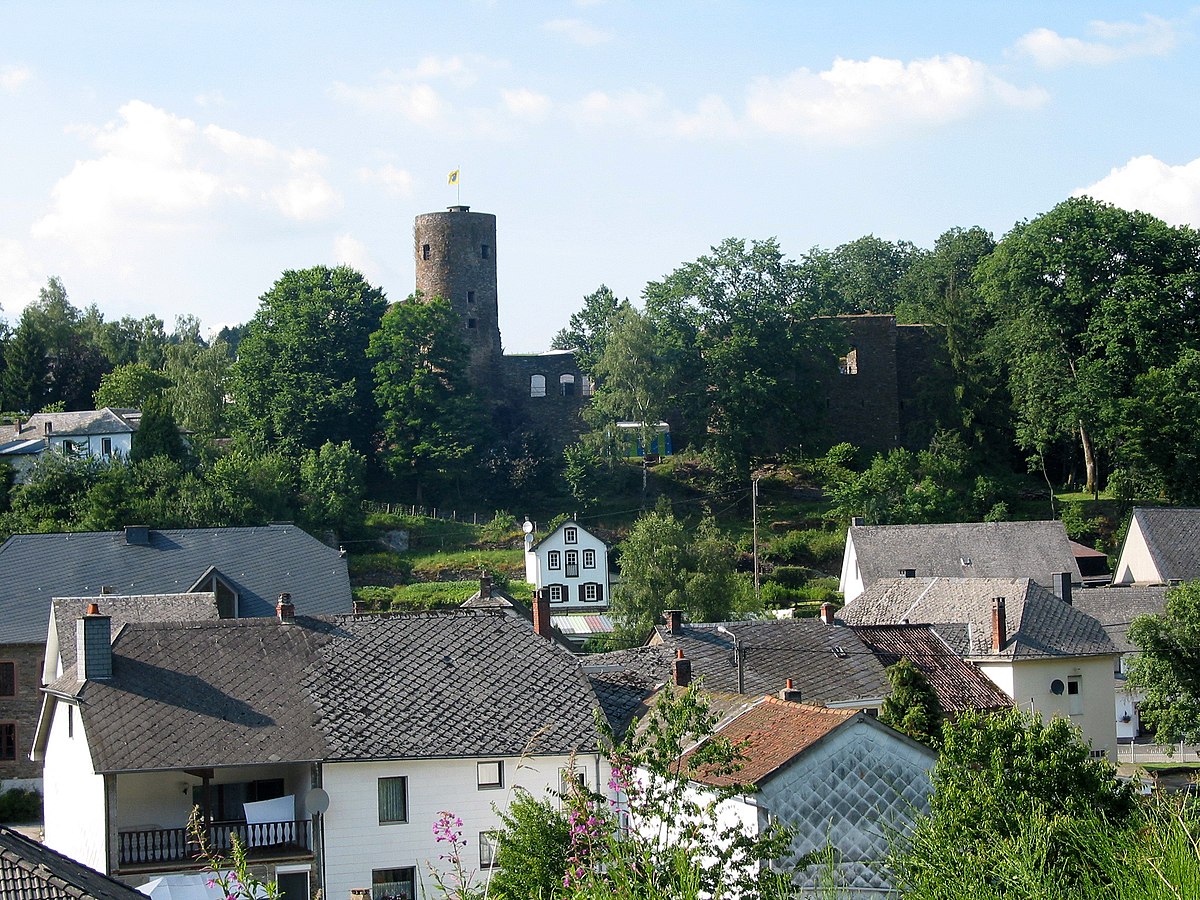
x=285 y=609
x=485 y=585
x=999 y=635
x=674 y=620
x=827 y=613
x=681 y=670
x=93 y=609
x=541 y=613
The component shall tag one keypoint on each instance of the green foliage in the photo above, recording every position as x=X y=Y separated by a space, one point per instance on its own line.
x=808 y=547
x=912 y=708
x=588 y=330
x=1160 y=445
x=862 y=276
x=332 y=484
x=302 y=376
x=130 y=386
x=1167 y=671
x=18 y=806
x=200 y=383
x=533 y=848
x=502 y=527
x=232 y=876
x=158 y=433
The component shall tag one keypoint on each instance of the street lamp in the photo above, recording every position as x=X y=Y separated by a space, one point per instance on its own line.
x=739 y=655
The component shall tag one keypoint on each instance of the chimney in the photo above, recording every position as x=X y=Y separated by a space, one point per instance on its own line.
x=908 y=573
x=49 y=428
x=790 y=694
x=285 y=609
x=359 y=608
x=137 y=535
x=485 y=585
x=93 y=646
x=1062 y=586
x=674 y=620
x=541 y=613
x=857 y=520
x=827 y=613
x=681 y=670
x=998 y=625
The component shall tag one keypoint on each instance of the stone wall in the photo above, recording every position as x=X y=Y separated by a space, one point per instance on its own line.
x=558 y=414
x=23 y=709
x=864 y=406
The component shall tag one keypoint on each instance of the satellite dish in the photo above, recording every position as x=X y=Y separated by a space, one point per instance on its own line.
x=316 y=801
x=527 y=527
x=1056 y=686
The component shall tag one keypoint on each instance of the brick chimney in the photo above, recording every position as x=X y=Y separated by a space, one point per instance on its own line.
x=485 y=585
x=827 y=613
x=541 y=613
x=789 y=693
x=359 y=608
x=285 y=609
x=999 y=635
x=681 y=670
x=1062 y=586
x=93 y=646
x=674 y=619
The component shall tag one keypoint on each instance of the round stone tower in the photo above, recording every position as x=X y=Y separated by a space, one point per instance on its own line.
x=456 y=260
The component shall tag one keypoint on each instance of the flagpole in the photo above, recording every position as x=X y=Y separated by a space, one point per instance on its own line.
x=458 y=186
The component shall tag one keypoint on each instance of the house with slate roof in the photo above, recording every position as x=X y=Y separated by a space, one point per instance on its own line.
x=32 y=871
x=836 y=776
x=1036 y=550
x=1162 y=546
x=571 y=563
x=357 y=729
x=1115 y=608
x=103 y=433
x=246 y=568
x=1046 y=655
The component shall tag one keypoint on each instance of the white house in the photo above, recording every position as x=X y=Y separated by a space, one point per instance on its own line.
x=1049 y=657
x=1162 y=546
x=328 y=745
x=1037 y=550
x=571 y=563
x=91 y=432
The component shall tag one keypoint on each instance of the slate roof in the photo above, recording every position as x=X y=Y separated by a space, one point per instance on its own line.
x=1038 y=624
x=774 y=732
x=88 y=421
x=1115 y=607
x=244 y=691
x=959 y=685
x=1173 y=539
x=23 y=447
x=261 y=563
x=625 y=680
x=32 y=871
x=1034 y=550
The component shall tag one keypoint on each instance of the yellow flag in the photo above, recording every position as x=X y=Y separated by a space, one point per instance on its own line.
x=453 y=179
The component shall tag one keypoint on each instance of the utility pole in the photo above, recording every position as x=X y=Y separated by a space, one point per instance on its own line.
x=754 y=516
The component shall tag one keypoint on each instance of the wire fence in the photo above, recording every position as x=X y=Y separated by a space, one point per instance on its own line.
x=429 y=512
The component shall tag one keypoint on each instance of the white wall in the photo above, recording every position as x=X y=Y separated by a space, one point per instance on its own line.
x=93 y=444
x=851 y=582
x=538 y=572
x=1136 y=564
x=75 y=819
x=356 y=843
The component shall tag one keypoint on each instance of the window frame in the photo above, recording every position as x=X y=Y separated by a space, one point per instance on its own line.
x=570 y=535
x=12 y=665
x=590 y=587
x=589 y=558
x=425 y=252
x=554 y=560
x=489 y=841
x=8 y=741
x=482 y=785
x=537 y=385
x=560 y=589
x=379 y=797
x=571 y=564
x=1074 y=695
x=408 y=874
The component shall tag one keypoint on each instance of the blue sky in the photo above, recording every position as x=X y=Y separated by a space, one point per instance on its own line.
x=176 y=157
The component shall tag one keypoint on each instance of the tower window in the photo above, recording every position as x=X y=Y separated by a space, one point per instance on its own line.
x=567 y=385
x=470 y=296
x=424 y=251
x=470 y=323
x=485 y=251
x=537 y=385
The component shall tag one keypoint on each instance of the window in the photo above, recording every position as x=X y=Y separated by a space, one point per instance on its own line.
x=848 y=364
x=485 y=251
x=589 y=559
x=489 y=846
x=393 y=799
x=566 y=384
x=558 y=593
x=70 y=721
x=570 y=781
x=228 y=800
x=8 y=740
x=292 y=885
x=470 y=323
x=68 y=446
x=8 y=679
x=424 y=251
x=1074 y=697
x=571 y=535
x=572 y=570
x=537 y=385
x=554 y=559
x=490 y=774
x=470 y=296
x=587 y=387
x=1098 y=754
x=394 y=884
x=590 y=592
x=106 y=446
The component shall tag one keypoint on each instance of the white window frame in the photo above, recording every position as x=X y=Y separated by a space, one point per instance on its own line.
x=589 y=559
x=484 y=777
x=560 y=589
x=570 y=535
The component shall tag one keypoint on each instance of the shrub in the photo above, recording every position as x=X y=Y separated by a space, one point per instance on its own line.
x=808 y=547
x=18 y=805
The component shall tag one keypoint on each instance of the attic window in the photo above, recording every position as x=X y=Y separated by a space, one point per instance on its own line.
x=966 y=560
x=840 y=652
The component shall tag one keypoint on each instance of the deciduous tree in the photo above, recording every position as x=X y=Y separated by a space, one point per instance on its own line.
x=1167 y=671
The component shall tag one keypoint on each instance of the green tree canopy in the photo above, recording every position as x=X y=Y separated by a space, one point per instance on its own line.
x=130 y=385
x=913 y=707
x=1167 y=671
x=588 y=329
x=158 y=433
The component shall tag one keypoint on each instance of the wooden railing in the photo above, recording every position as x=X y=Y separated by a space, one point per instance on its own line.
x=178 y=845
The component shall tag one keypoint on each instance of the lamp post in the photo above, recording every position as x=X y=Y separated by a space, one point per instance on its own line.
x=739 y=655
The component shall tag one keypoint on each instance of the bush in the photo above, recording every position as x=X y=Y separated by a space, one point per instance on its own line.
x=501 y=529
x=18 y=805
x=809 y=547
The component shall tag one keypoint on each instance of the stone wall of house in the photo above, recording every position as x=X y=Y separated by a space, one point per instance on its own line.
x=23 y=709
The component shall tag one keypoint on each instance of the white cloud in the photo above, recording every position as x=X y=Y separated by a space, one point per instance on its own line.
x=578 y=31
x=13 y=78
x=395 y=182
x=19 y=278
x=1145 y=183
x=854 y=97
x=1112 y=42
x=603 y=108
x=525 y=104
x=419 y=103
x=211 y=98
x=155 y=172
x=350 y=251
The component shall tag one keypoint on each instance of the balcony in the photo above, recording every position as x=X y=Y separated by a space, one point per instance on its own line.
x=159 y=848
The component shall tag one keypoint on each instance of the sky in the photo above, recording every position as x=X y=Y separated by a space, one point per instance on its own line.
x=174 y=158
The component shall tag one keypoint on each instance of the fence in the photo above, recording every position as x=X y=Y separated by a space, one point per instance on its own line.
x=428 y=512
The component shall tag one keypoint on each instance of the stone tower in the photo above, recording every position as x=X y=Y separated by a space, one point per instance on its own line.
x=456 y=260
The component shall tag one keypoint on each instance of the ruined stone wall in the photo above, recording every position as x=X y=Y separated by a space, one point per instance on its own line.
x=558 y=412
x=924 y=382
x=864 y=407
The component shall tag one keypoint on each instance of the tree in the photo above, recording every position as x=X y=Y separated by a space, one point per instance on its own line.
x=332 y=484
x=157 y=434
x=430 y=419
x=130 y=386
x=588 y=330
x=25 y=368
x=200 y=378
x=533 y=848
x=996 y=774
x=1158 y=432
x=862 y=276
x=302 y=376
x=1085 y=297
x=913 y=707
x=1167 y=671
